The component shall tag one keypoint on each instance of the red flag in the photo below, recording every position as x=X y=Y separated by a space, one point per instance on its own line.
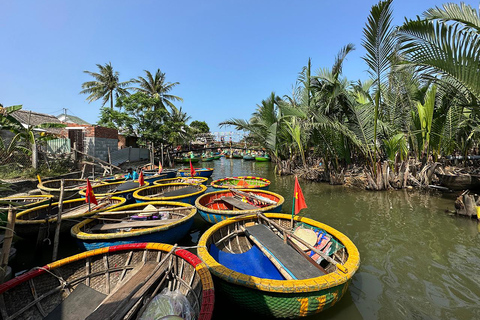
x=89 y=196
x=160 y=168
x=140 y=179
x=299 y=198
x=192 y=171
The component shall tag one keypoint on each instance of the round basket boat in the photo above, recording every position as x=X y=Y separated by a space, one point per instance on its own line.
x=28 y=222
x=129 y=224
x=250 y=280
x=241 y=182
x=199 y=172
x=71 y=187
x=220 y=205
x=110 y=281
x=197 y=180
x=20 y=203
x=183 y=192
x=122 y=189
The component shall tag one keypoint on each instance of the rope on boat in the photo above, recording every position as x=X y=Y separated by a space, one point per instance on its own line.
x=60 y=279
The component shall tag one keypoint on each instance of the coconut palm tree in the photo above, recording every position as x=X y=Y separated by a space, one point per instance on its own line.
x=155 y=86
x=106 y=85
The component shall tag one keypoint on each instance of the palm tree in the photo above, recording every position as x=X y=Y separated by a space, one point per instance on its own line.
x=155 y=86
x=105 y=86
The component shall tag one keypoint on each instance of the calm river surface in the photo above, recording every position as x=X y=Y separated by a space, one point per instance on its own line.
x=417 y=262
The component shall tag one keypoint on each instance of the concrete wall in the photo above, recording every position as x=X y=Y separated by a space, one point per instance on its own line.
x=98 y=147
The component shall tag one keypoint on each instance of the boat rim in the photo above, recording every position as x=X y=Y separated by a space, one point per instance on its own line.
x=77 y=233
x=282 y=286
x=203 y=208
x=215 y=185
x=165 y=181
x=41 y=185
x=83 y=191
x=148 y=199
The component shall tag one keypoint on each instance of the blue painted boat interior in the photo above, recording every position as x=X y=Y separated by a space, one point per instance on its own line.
x=252 y=263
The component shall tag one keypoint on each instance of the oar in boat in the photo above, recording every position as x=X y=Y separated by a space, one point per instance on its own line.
x=288 y=233
x=254 y=196
x=106 y=213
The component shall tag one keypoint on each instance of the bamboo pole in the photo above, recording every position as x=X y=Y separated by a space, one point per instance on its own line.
x=59 y=221
x=7 y=243
x=106 y=213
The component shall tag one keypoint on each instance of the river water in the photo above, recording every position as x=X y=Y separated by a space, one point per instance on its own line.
x=417 y=261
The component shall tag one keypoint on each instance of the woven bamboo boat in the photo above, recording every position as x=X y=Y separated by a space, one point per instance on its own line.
x=199 y=180
x=123 y=189
x=168 y=173
x=71 y=187
x=272 y=295
x=241 y=182
x=199 y=172
x=29 y=222
x=248 y=157
x=117 y=226
x=20 y=203
x=107 y=283
x=187 y=160
x=237 y=156
x=460 y=181
x=207 y=159
x=182 y=192
x=216 y=157
x=220 y=205
x=262 y=159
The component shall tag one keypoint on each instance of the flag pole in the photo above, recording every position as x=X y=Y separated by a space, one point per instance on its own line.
x=293 y=211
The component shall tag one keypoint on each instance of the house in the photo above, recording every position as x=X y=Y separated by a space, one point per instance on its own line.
x=67 y=118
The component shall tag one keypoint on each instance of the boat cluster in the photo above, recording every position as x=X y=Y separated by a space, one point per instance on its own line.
x=271 y=263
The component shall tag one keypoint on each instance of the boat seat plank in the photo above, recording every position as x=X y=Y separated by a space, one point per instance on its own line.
x=239 y=204
x=300 y=267
x=113 y=302
x=131 y=224
x=180 y=192
x=78 y=305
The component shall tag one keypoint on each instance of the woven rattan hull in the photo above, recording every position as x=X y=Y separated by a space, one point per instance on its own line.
x=199 y=172
x=36 y=293
x=277 y=298
x=142 y=195
x=232 y=182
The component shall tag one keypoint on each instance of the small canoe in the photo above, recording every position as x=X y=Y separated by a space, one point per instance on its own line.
x=220 y=205
x=241 y=182
x=156 y=221
x=234 y=249
x=262 y=159
x=248 y=157
x=20 y=203
x=71 y=187
x=122 y=189
x=195 y=180
x=237 y=156
x=207 y=159
x=199 y=172
x=30 y=221
x=110 y=282
x=182 y=192
x=460 y=181
x=217 y=157
x=187 y=160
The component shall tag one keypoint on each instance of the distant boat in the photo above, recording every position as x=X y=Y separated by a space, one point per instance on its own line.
x=460 y=181
x=241 y=182
x=216 y=157
x=269 y=272
x=199 y=172
x=181 y=192
x=248 y=157
x=207 y=159
x=262 y=159
x=84 y=286
x=187 y=160
x=220 y=205
x=237 y=156
x=155 y=221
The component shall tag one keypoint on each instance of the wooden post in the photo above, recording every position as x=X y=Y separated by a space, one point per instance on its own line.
x=110 y=160
x=59 y=221
x=7 y=243
x=161 y=156
x=75 y=155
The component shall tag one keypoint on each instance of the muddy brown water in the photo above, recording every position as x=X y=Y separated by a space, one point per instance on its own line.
x=417 y=261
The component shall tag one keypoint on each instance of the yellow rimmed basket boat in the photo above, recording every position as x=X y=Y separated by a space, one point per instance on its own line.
x=241 y=182
x=248 y=278
x=156 y=221
x=116 y=283
x=182 y=192
x=201 y=180
x=20 y=203
x=122 y=189
x=71 y=187
x=29 y=222
x=220 y=205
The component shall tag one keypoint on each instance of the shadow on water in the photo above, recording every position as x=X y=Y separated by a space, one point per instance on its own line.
x=417 y=261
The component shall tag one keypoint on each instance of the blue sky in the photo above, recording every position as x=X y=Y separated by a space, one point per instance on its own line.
x=227 y=55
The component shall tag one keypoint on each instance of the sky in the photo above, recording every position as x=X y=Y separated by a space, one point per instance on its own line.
x=227 y=55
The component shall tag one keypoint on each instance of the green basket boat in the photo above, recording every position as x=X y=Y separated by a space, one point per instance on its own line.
x=20 y=203
x=273 y=296
x=241 y=182
x=262 y=159
x=197 y=180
